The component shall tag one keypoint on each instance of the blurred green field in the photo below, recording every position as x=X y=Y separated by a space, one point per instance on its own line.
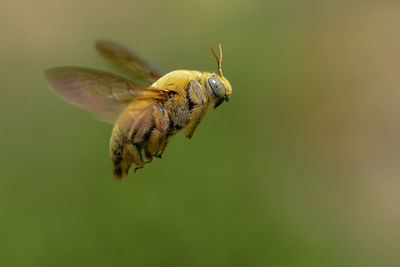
x=300 y=168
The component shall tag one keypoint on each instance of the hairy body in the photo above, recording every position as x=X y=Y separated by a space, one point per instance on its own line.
x=147 y=125
x=147 y=110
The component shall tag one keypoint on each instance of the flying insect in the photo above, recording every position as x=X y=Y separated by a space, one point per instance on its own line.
x=147 y=109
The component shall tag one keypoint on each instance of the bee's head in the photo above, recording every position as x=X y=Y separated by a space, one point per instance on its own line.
x=220 y=86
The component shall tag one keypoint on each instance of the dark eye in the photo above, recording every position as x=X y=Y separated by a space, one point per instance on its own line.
x=217 y=87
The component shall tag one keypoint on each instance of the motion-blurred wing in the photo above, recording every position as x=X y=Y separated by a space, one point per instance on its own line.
x=128 y=61
x=104 y=94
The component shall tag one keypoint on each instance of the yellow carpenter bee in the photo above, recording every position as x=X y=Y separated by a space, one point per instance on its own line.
x=146 y=110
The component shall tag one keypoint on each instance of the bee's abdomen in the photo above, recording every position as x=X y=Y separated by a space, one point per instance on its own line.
x=143 y=126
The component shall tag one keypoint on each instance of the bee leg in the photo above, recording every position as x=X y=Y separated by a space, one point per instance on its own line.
x=135 y=156
x=159 y=136
x=163 y=144
x=149 y=156
x=198 y=106
x=157 y=143
x=137 y=168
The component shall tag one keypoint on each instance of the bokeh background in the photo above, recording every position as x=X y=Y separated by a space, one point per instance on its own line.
x=301 y=168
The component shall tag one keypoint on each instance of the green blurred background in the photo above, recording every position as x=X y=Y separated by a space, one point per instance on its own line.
x=301 y=168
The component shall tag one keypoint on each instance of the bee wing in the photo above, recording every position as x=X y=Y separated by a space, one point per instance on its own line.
x=104 y=94
x=128 y=61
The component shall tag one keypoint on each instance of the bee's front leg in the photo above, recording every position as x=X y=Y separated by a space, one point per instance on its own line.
x=198 y=105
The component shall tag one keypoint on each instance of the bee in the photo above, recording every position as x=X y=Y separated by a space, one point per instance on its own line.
x=147 y=109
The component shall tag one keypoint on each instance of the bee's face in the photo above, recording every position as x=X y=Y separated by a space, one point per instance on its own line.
x=221 y=88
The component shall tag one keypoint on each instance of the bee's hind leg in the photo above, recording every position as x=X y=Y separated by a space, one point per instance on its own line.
x=149 y=156
x=137 y=168
x=156 y=144
x=136 y=157
x=163 y=145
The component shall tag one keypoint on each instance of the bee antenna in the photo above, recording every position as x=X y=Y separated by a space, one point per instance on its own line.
x=219 y=59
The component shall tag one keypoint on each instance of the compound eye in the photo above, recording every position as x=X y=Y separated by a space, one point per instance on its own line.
x=217 y=87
